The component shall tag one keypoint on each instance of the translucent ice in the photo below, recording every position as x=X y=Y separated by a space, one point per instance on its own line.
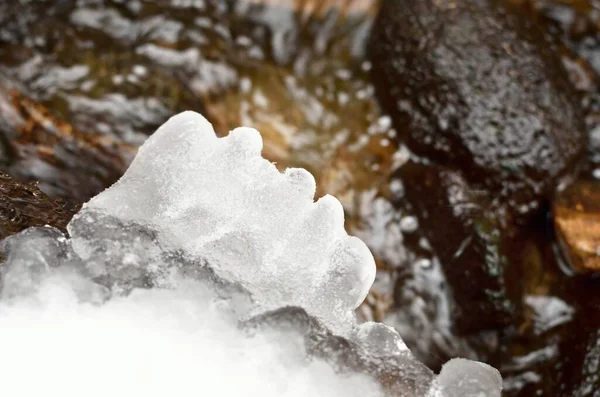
x=219 y=200
x=460 y=378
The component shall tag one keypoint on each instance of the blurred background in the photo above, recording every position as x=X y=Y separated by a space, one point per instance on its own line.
x=484 y=221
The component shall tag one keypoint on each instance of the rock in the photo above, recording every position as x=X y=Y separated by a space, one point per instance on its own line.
x=476 y=86
x=577 y=225
x=474 y=244
x=576 y=21
x=583 y=378
x=104 y=67
x=24 y=205
x=37 y=146
x=579 y=369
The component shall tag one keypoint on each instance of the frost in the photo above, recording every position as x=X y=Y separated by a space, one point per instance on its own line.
x=204 y=271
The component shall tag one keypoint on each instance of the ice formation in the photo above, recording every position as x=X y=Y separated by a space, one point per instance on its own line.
x=460 y=377
x=218 y=199
x=205 y=271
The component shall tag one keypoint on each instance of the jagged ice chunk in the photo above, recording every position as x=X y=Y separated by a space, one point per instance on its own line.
x=218 y=199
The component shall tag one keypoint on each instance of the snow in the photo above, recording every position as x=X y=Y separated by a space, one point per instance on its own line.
x=204 y=271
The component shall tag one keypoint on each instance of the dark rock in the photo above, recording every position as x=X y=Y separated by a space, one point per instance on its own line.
x=579 y=369
x=24 y=205
x=474 y=244
x=476 y=86
x=582 y=377
x=36 y=146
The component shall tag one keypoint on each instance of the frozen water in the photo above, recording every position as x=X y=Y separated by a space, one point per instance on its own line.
x=204 y=271
x=380 y=339
x=218 y=199
x=460 y=378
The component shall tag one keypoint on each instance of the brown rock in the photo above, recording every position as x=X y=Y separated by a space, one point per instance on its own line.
x=36 y=146
x=24 y=205
x=577 y=222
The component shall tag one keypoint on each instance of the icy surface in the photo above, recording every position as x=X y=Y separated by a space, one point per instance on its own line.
x=460 y=378
x=218 y=199
x=205 y=271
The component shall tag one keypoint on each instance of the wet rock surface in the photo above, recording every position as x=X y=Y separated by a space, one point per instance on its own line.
x=575 y=24
x=577 y=223
x=565 y=361
x=39 y=147
x=24 y=205
x=580 y=374
x=476 y=249
x=476 y=90
x=476 y=87
x=445 y=70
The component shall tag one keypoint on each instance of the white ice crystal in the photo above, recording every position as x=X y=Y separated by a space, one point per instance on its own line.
x=461 y=377
x=219 y=199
